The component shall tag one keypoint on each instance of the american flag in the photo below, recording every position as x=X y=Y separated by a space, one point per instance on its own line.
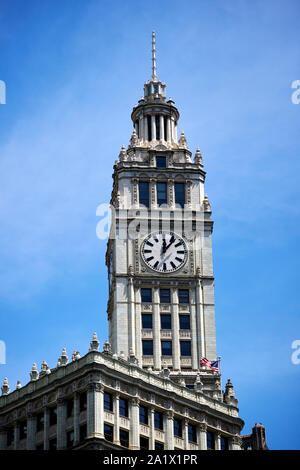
x=213 y=365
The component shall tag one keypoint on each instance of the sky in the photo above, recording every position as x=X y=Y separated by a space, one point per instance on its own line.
x=73 y=71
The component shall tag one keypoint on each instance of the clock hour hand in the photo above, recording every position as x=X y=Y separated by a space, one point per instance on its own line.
x=171 y=241
x=164 y=246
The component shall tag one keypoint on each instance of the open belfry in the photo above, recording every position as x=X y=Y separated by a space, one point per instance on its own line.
x=156 y=384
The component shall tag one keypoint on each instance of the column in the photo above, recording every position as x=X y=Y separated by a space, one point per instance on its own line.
x=117 y=419
x=186 y=434
x=138 y=323
x=169 y=433
x=156 y=330
x=131 y=325
x=134 y=424
x=168 y=129
x=161 y=127
x=61 y=424
x=218 y=441
x=153 y=127
x=175 y=330
x=236 y=443
x=76 y=419
x=200 y=319
x=46 y=429
x=95 y=422
x=3 y=438
x=172 y=129
x=31 y=431
x=16 y=436
x=201 y=436
x=152 y=430
x=146 y=137
x=195 y=361
x=175 y=129
x=141 y=128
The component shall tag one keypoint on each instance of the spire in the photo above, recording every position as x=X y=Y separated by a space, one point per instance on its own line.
x=154 y=77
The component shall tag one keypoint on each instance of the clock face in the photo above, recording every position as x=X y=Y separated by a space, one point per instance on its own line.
x=164 y=252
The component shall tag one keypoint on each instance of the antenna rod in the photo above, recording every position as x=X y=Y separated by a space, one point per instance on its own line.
x=153 y=57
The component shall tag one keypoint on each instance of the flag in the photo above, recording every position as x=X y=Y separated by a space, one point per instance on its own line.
x=213 y=365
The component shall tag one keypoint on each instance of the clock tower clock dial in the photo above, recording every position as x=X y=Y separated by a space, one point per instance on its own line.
x=164 y=252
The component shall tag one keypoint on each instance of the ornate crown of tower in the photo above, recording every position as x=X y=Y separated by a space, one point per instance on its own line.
x=159 y=255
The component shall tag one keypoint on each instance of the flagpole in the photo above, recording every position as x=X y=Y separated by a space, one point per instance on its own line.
x=219 y=359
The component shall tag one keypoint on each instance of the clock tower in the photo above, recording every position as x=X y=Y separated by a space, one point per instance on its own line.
x=159 y=254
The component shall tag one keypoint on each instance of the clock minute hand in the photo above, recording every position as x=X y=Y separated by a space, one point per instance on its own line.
x=172 y=241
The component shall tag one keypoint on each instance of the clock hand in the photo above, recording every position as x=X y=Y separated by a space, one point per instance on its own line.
x=172 y=241
x=164 y=248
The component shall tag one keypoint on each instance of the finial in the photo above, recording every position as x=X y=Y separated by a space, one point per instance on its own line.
x=94 y=344
x=153 y=58
x=107 y=348
x=19 y=385
x=63 y=359
x=5 y=387
x=34 y=375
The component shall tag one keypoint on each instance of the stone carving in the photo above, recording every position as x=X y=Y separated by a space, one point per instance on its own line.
x=94 y=344
x=34 y=375
x=5 y=387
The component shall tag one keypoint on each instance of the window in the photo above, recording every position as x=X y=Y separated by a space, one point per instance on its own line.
x=192 y=433
x=224 y=443
x=158 y=445
x=82 y=432
x=185 y=348
x=147 y=320
x=53 y=416
x=23 y=430
x=40 y=422
x=165 y=296
x=146 y=295
x=161 y=193
x=82 y=401
x=10 y=436
x=155 y=88
x=166 y=348
x=157 y=121
x=165 y=321
x=190 y=386
x=184 y=322
x=70 y=439
x=124 y=438
x=148 y=348
x=108 y=401
x=123 y=407
x=183 y=296
x=158 y=420
x=161 y=162
x=70 y=408
x=177 y=428
x=210 y=439
x=179 y=194
x=52 y=444
x=144 y=443
x=144 y=193
x=143 y=415
x=108 y=432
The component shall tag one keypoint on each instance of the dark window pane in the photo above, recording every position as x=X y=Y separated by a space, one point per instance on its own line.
x=179 y=194
x=166 y=322
x=155 y=90
x=70 y=439
x=185 y=348
x=148 y=348
x=144 y=193
x=158 y=445
x=184 y=322
x=124 y=438
x=52 y=444
x=123 y=407
x=166 y=348
x=210 y=438
x=144 y=443
x=10 y=436
x=157 y=121
x=40 y=420
x=224 y=443
x=161 y=193
x=158 y=420
x=147 y=320
x=161 y=162
x=82 y=432
x=177 y=428
x=52 y=416
x=146 y=295
x=108 y=401
x=143 y=415
x=192 y=433
x=108 y=432
x=82 y=401
x=165 y=296
x=183 y=296
x=70 y=408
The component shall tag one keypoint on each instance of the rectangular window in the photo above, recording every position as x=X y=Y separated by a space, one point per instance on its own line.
x=179 y=194
x=146 y=295
x=108 y=401
x=161 y=162
x=177 y=428
x=108 y=432
x=192 y=433
x=52 y=444
x=143 y=415
x=161 y=193
x=184 y=322
x=70 y=408
x=82 y=402
x=185 y=348
x=166 y=322
x=70 y=439
x=40 y=421
x=158 y=445
x=147 y=320
x=144 y=193
x=10 y=436
x=210 y=439
x=124 y=438
x=183 y=296
x=224 y=443
x=144 y=443
x=157 y=125
x=82 y=432
x=158 y=420
x=147 y=348
x=123 y=407
x=53 y=416
x=166 y=348
x=165 y=296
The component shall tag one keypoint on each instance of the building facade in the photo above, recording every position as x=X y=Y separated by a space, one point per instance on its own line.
x=154 y=385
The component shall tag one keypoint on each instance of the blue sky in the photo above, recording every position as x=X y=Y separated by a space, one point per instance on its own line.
x=73 y=71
